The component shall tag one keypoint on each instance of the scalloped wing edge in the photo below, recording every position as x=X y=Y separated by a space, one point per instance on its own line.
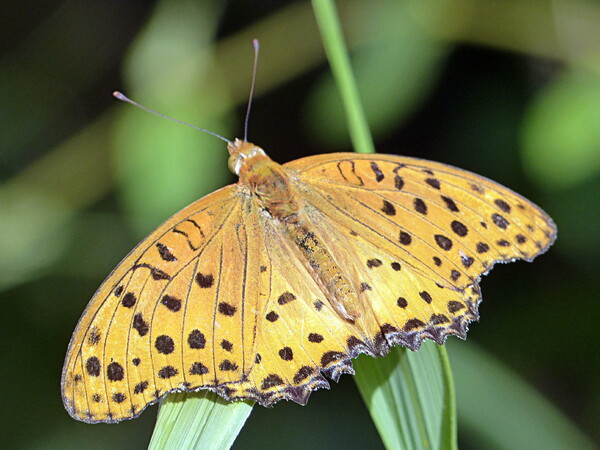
x=340 y=364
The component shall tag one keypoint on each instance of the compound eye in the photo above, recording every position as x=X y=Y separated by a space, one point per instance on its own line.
x=235 y=162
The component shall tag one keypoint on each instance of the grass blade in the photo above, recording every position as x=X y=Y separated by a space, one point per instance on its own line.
x=410 y=397
x=337 y=54
x=198 y=420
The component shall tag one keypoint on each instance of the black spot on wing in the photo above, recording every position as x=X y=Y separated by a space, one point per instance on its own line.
x=270 y=381
x=426 y=296
x=405 y=238
x=198 y=369
x=374 y=262
x=228 y=366
x=272 y=316
x=303 y=373
x=482 y=247
x=165 y=252
x=140 y=387
x=398 y=182
x=118 y=397
x=128 y=300
x=388 y=208
x=226 y=345
x=502 y=205
x=420 y=206
x=286 y=354
x=94 y=336
x=115 y=372
x=332 y=356
x=286 y=297
x=459 y=228
x=156 y=273
x=500 y=221
x=140 y=325
x=205 y=281
x=444 y=242
x=433 y=182
x=315 y=338
x=196 y=339
x=226 y=309
x=377 y=171
x=450 y=204
x=171 y=303
x=167 y=372
x=164 y=344
x=413 y=324
x=92 y=366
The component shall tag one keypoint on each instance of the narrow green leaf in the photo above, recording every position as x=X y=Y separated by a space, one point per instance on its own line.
x=449 y=433
x=337 y=54
x=200 y=420
x=410 y=396
x=396 y=65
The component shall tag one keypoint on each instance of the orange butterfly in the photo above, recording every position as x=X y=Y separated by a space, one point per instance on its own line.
x=259 y=289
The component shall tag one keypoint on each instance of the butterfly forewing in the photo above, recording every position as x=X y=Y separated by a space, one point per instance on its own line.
x=128 y=347
x=450 y=210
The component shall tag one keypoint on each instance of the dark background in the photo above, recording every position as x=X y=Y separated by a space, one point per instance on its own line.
x=509 y=90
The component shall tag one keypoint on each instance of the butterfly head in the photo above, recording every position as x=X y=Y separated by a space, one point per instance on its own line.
x=239 y=152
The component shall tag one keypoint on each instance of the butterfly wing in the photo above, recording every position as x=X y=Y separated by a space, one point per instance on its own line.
x=417 y=236
x=162 y=318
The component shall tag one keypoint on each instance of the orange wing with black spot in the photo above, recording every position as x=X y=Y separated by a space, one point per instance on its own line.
x=152 y=326
x=416 y=236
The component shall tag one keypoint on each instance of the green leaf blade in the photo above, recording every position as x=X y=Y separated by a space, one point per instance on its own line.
x=410 y=397
x=200 y=420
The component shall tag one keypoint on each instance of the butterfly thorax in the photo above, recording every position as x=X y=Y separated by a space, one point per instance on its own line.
x=267 y=181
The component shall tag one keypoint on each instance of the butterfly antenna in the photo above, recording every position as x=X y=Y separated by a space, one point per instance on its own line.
x=125 y=99
x=256 y=46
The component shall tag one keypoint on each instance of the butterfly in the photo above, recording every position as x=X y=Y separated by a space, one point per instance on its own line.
x=265 y=287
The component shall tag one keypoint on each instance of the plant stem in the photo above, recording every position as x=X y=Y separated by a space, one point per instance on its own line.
x=335 y=48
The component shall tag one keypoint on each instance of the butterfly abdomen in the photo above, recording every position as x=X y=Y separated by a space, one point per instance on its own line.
x=327 y=273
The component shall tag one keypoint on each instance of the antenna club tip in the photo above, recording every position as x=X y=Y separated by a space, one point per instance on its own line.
x=118 y=95
x=255 y=44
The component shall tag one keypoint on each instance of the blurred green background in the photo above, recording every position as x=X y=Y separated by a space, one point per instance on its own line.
x=507 y=89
